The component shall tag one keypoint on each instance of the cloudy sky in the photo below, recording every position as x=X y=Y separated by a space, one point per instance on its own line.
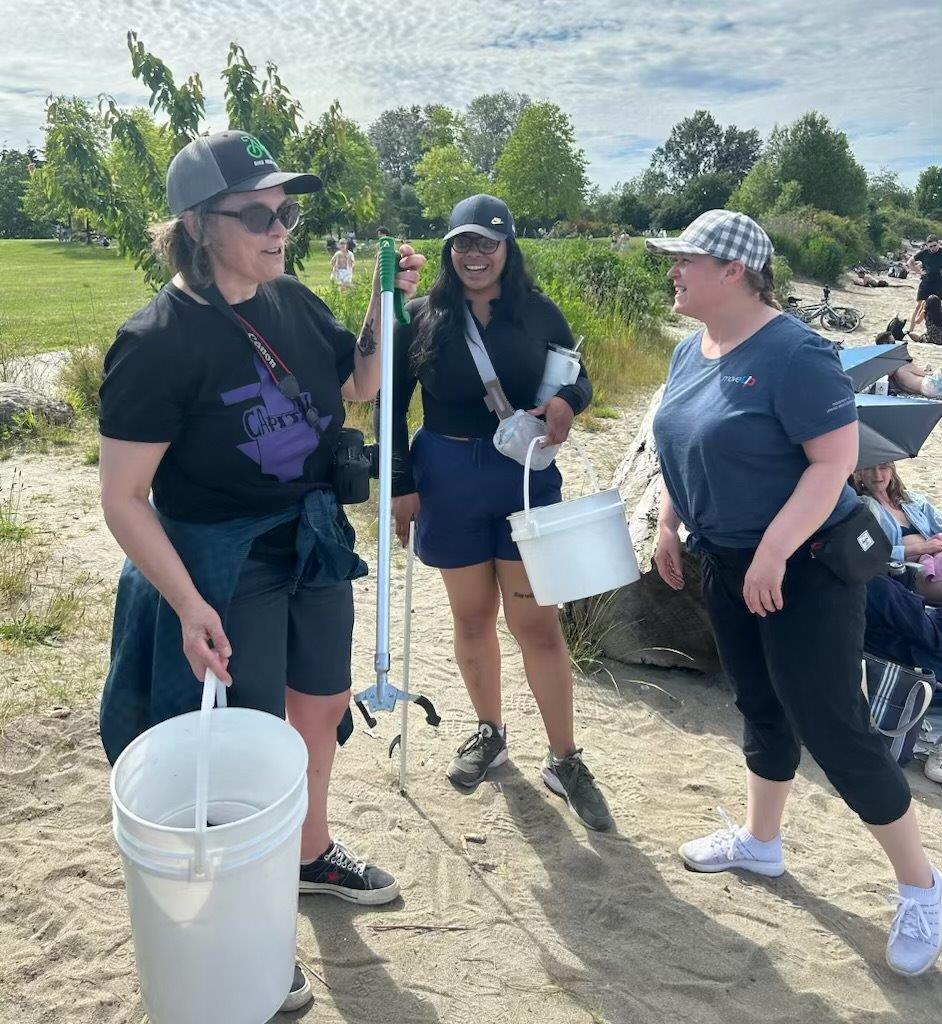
x=623 y=70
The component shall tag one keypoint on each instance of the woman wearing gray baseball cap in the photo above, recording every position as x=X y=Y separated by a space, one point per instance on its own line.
x=223 y=398
x=757 y=436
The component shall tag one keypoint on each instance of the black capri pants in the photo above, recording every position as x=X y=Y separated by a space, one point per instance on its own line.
x=279 y=639
x=797 y=674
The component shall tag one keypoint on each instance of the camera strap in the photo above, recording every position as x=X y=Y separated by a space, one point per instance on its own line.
x=284 y=379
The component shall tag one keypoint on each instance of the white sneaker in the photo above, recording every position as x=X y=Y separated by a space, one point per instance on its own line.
x=732 y=847
x=933 y=766
x=916 y=933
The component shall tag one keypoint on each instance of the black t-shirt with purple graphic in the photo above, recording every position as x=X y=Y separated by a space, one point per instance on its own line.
x=179 y=371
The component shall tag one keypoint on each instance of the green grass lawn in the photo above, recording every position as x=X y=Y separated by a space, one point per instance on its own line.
x=56 y=296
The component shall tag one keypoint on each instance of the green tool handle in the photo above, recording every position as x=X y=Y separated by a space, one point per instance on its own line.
x=388 y=265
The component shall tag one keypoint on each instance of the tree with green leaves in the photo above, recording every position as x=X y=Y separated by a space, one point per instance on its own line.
x=184 y=105
x=443 y=177
x=884 y=189
x=264 y=106
x=397 y=135
x=707 y=191
x=700 y=145
x=541 y=172
x=15 y=170
x=819 y=158
x=489 y=121
x=338 y=150
x=442 y=126
x=73 y=181
x=759 y=191
x=928 y=195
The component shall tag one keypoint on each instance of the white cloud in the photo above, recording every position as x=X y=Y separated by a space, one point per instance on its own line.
x=624 y=71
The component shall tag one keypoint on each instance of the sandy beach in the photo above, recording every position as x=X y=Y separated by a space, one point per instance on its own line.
x=510 y=912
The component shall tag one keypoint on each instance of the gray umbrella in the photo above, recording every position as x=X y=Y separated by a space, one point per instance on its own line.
x=866 y=364
x=893 y=428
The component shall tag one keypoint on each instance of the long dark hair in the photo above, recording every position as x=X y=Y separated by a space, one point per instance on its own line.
x=443 y=315
x=934 y=311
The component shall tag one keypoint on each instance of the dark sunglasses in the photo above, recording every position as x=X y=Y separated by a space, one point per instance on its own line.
x=465 y=243
x=258 y=219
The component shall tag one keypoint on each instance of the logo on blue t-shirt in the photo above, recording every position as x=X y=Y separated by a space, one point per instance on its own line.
x=745 y=381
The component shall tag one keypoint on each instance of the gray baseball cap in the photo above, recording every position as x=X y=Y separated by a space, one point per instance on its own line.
x=229 y=161
x=725 y=234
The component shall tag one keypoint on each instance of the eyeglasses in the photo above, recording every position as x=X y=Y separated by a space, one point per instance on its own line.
x=258 y=219
x=465 y=243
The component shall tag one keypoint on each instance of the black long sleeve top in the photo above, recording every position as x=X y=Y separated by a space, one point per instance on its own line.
x=451 y=388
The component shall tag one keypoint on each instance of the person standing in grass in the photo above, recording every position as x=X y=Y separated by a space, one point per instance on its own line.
x=459 y=489
x=216 y=482
x=757 y=436
x=341 y=266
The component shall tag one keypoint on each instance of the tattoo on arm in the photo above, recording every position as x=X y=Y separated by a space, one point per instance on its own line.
x=366 y=343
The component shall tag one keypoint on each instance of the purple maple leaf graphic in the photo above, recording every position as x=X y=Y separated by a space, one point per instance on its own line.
x=281 y=439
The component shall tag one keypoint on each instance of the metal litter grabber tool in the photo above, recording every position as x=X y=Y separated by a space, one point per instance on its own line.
x=384 y=695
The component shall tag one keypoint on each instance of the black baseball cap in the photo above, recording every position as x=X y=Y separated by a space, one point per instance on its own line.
x=231 y=161
x=481 y=215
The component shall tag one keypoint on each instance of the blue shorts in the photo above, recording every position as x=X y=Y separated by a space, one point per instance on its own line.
x=467 y=489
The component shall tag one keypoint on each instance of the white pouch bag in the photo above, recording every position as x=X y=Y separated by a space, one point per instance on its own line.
x=517 y=428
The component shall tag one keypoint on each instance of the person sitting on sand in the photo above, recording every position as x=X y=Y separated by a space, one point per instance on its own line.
x=932 y=314
x=752 y=389
x=911 y=378
x=341 y=266
x=910 y=521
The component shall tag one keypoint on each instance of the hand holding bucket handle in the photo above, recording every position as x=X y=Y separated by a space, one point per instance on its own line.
x=590 y=469
x=214 y=692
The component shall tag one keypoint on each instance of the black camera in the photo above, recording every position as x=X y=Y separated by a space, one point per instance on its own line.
x=354 y=464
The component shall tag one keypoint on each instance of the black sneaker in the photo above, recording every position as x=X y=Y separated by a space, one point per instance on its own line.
x=300 y=994
x=339 y=872
x=486 y=749
x=572 y=780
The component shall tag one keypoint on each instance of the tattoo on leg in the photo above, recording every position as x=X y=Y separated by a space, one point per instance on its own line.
x=366 y=343
x=518 y=593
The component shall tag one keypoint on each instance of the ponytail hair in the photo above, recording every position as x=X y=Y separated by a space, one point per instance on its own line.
x=763 y=284
x=184 y=253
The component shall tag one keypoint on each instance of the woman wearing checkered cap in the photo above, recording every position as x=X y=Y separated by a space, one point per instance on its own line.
x=757 y=435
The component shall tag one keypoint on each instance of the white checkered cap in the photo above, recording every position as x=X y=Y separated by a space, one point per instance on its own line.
x=725 y=234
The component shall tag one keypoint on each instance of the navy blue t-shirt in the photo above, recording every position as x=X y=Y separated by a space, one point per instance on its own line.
x=729 y=430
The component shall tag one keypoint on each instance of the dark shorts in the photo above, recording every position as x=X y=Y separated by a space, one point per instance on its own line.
x=927 y=287
x=301 y=640
x=467 y=489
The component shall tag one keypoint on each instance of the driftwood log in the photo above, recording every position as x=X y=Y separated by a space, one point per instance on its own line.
x=647 y=622
x=17 y=401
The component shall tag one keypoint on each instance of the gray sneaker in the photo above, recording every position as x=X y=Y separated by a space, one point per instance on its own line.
x=484 y=750
x=572 y=780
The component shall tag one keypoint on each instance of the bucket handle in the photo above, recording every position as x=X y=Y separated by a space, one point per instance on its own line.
x=214 y=692
x=526 y=469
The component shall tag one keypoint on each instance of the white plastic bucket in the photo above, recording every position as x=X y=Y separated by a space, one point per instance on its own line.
x=577 y=548
x=213 y=910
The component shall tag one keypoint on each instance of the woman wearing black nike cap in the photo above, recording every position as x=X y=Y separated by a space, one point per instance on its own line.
x=243 y=563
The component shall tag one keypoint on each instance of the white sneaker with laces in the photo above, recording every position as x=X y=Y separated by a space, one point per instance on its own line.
x=933 y=765
x=733 y=847
x=916 y=933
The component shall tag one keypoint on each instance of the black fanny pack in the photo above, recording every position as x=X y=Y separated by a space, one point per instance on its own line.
x=855 y=549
